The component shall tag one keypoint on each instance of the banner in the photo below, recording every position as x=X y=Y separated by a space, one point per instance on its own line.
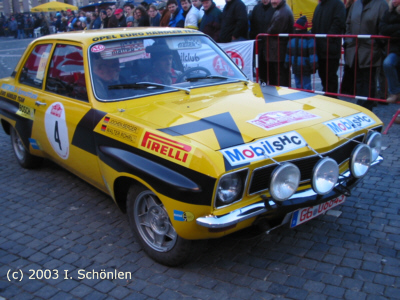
x=242 y=54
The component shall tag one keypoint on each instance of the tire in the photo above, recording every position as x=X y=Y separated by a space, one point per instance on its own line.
x=153 y=229
x=24 y=158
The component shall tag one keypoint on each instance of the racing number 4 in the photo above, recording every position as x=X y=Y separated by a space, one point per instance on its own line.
x=57 y=135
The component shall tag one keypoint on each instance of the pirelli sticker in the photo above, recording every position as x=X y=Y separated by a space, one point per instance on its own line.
x=171 y=150
x=120 y=129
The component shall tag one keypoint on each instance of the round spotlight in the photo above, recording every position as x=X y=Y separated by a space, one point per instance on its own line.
x=374 y=140
x=284 y=181
x=325 y=176
x=360 y=160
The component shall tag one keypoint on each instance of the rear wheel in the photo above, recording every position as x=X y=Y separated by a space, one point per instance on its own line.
x=24 y=158
x=150 y=223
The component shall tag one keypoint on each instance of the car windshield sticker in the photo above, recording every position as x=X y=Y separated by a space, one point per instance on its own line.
x=276 y=119
x=56 y=129
x=184 y=42
x=349 y=124
x=130 y=48
x=264 y=148
x=166 y=148
x=97 y=48
x=42 y=66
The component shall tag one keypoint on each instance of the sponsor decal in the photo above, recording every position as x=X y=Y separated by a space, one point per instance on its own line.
x=120 y=129
x=349 y=124
x=236 y=57
x=183 y=216
x=221 y=67
x=276 y=119
x=57 y=130
x=26 y=112
x=264 y=148
x=7 y=89
x=166 y=148
x=34 y=144
x=98 y=48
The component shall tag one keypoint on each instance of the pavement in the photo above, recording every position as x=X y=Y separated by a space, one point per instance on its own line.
x=57 y=231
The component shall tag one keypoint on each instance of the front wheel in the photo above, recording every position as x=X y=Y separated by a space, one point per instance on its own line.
x=24 y=158
x=150 y=223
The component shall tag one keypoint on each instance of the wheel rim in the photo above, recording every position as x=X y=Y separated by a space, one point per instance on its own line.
x=19 y=149
x=153 y=223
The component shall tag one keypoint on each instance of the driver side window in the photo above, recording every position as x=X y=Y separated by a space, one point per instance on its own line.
x=66 y=74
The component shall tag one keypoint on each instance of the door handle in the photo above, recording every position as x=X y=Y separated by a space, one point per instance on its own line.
x=38 y=103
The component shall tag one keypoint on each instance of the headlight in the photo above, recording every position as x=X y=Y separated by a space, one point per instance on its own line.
x=374 y=140
x=360 y=160
x=284 y=181
x=325 y=175
x=230 y=187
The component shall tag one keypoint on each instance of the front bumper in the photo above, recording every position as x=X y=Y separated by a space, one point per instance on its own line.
x=304 y=198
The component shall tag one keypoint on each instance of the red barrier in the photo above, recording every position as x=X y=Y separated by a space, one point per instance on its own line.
x=372 y=81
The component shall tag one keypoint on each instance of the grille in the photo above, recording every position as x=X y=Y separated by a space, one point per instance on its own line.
x=261 y=177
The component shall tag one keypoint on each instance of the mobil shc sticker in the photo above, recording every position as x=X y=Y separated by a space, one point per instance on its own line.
x=264 y=148
x=166 y=148
x=349 y=124
x=56 y=129
x=275 y=119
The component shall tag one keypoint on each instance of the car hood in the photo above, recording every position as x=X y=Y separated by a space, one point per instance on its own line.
x=234 y=114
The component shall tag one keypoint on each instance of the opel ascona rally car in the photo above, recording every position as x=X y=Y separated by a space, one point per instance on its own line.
x=164 y=122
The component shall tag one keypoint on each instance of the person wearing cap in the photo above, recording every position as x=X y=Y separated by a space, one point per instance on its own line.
x=191 y=14
x=129 y=21
x=106 y=72
x=301 y=56
x=154 y=16
x=211 y=21
x=119 y=13
x=176 y=19
x=234 y=26
x=162 y=71
x=104 y=19
x=282 y=22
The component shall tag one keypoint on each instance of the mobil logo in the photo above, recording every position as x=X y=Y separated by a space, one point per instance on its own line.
x=264 y=148
x=349 y=124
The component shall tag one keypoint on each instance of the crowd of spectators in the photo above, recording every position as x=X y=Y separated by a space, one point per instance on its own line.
x=278 y=56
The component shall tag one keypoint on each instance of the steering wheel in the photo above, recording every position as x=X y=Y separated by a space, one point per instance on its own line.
x=192 y=70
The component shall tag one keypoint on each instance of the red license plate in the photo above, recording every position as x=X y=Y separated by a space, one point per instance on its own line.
x=305 y=214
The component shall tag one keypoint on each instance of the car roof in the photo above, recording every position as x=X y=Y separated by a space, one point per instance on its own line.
x=97 y=35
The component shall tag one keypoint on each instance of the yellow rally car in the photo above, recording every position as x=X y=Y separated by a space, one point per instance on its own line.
x=164 y=122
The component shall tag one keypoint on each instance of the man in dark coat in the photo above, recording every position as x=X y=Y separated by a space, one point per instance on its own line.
x=234 y=24
x=390 y=26
x=282 y=22
x=211 y=22
x=259 y=22
x=364 y=18
x=329 y=18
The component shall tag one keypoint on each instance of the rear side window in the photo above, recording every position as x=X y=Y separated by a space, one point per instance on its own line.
x=32 y=73
x=66 y=74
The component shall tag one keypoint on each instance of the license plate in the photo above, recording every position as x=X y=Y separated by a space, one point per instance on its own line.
x=305 y=214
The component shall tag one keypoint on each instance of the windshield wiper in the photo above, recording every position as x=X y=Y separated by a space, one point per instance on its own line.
x=214 y=77
x=145 y=85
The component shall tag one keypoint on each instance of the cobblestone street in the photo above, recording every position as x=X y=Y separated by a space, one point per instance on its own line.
x=52 y=220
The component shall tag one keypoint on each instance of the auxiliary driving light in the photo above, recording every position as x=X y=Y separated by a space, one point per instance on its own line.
x=325 y=175
x=374 y=140
x=284 y=181
x=360 y=160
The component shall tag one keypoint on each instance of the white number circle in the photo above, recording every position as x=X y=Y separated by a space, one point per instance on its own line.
x=56 y=129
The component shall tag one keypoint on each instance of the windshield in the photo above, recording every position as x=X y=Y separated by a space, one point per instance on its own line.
x=145 y=66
